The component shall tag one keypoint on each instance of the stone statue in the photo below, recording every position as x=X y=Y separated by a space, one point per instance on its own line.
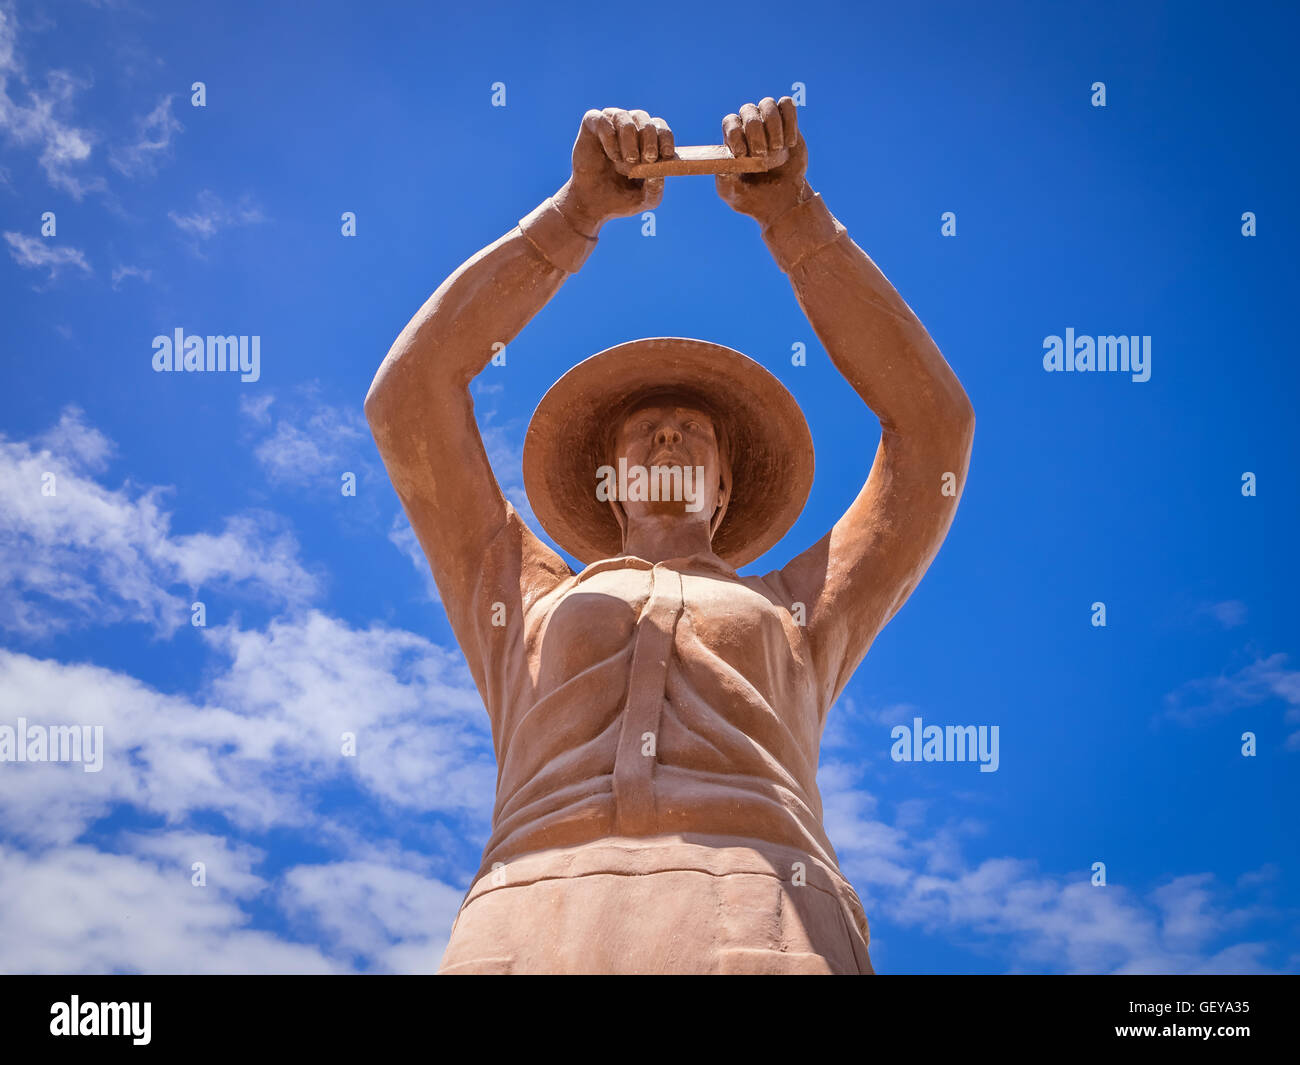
x=656 y=718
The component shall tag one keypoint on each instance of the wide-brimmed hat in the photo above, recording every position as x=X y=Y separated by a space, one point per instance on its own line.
x=568 y=437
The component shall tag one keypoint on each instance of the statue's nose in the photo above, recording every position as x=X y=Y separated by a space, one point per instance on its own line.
x=668 y=434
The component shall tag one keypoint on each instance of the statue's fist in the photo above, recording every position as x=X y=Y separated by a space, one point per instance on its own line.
x=759 y=129
x=597 y=190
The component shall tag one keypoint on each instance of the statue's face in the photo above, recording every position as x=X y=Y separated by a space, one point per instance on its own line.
x=671 y=432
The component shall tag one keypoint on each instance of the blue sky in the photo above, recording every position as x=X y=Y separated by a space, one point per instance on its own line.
x=1119 y=744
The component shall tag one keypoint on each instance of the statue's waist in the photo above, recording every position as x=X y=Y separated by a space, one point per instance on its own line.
x=712 y=854
x=671 y=804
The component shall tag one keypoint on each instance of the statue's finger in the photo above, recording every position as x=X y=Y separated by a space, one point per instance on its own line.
x=755 y=134
x=628 y=145
x=600 y=124
x=733 y=136
x=771 y=123
x=647 y=136
x=667 y=145
x=789 y=120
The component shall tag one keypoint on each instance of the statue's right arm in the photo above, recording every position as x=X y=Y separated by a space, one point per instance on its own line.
x=419 y=406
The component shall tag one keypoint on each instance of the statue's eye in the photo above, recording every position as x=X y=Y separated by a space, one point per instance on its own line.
x=645 y=425
x=693 y=427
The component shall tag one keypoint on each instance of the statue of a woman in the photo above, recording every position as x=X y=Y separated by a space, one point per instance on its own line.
x=656 y=717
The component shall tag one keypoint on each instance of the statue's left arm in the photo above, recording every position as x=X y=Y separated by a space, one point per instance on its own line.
x=858 y=576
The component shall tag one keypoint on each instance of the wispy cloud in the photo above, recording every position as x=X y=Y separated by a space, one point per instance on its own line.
x=40 y=118
x=305 y=446
x=79 y=443
x=1025 y=919
x=121 y=273
x=310 y=443
x=152 y=143
x=849 y=715
x=212 y=214
x=503 y=442
x=1231 y=613
x=403 y=537
x=1261 y=681
x=35 y=253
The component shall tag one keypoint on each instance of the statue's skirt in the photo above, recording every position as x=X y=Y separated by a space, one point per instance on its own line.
x=661 y=905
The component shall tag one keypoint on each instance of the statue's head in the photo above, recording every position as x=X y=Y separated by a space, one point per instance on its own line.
x=721 y=439
x=682 y=444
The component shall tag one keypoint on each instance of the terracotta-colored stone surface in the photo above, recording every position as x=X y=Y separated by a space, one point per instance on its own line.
x=657 y=717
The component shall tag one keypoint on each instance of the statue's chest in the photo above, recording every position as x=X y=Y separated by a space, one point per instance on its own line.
x=601 y=617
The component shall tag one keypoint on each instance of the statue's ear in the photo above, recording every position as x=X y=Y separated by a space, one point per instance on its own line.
x=620 y=515
x=724 y=497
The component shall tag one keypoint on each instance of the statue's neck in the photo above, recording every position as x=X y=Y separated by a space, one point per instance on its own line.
x=656 y=539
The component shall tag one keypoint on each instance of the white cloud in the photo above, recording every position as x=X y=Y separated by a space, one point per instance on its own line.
x=398 y=918
x=163 y=754
x=293 y=451
x=78 y=909
x=421 y=731
x=212 y=214
x=86 y=554
x=35 y=253
x=121 y=273
x=83 y=446
x=311 y=444
x=1258 y=683
x=152 y=143
x=1043 y=922
x=305 y=446
x=257 y=408
x=256 y=749
x=1230 y=614
x=504 y=447
x=81 y=910
x=40 y=118
x=403 y=537
x=262 y=738
x=848 y=715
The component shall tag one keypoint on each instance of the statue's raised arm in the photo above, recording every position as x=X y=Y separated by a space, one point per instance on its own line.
x=857 y=577
x=419 y=406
